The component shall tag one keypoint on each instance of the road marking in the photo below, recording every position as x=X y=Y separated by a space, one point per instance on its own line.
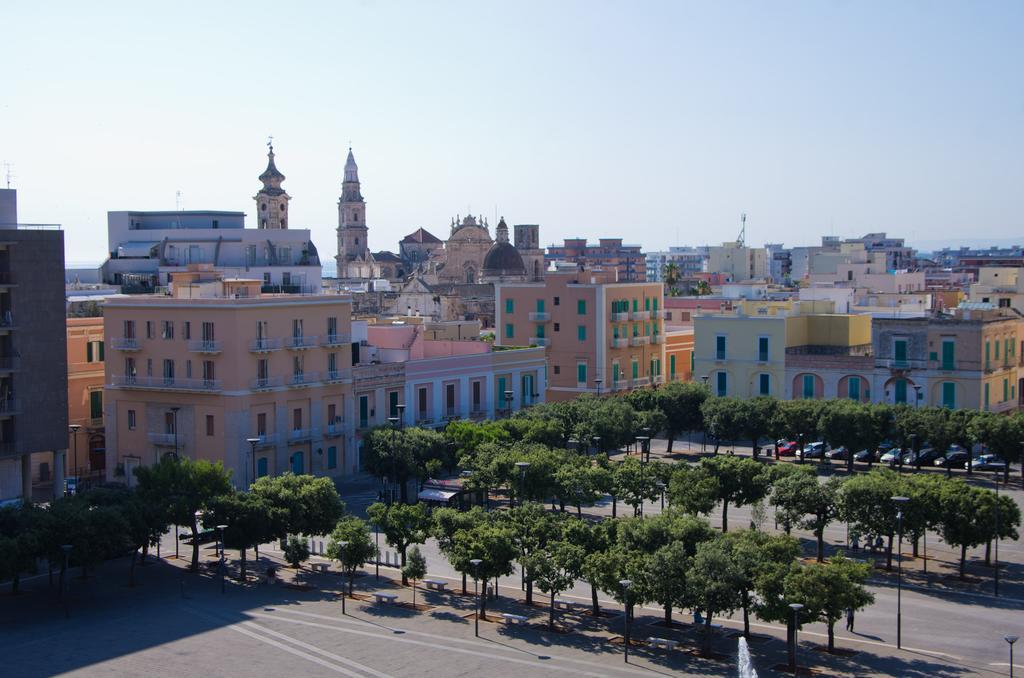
x=297 y=653
x=317 y=650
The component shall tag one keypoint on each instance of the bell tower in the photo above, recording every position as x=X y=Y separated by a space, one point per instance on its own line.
x=352 y=231
x=271 y=201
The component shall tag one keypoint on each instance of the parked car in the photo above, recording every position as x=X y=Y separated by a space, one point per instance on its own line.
x=814 y=450
x=953 y=458
x=890 y=456
x=927 y=455
x=864 y=456
x=838 y=453
x=987 y=462
x=787 y=448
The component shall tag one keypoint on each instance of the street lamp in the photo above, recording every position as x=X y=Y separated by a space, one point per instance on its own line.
x=522 y=466
x=395 y=423
x=900 y=503
x=598 y=382
x=625 y=584
x=796 y=607
x=65 y=588
x=475 y=562
x=174 y=411
x=1011 y=640
x=597 y=444
x=253 y=442
x=661 y=488
x=917 y=395
x=74 y=436
x=508 y=403
x=341 y=557
x=995 y=580
x=220 y=542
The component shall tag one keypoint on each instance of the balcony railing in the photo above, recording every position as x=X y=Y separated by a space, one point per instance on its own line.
x=264 y=344
x=9 y=407
x=540 y=316
x=658 y=379
x=266 y=439
x=125 y=344
x=620 y=384
x=334 y=430
x=659 y=314
x=165 y=439
x=641 y=381
x=639 y=341
x=7 y=320
x=620 y=342
x=204 y=346
x=905 y=364
x=9 y=364
x=639 y=315
x=300 y=434
x=303 y=379
x=540 y=341
x=336 y=375
x=657 y=338
x=167 y=384
x=620 y=317
x=265 y=382
x=337 y=340
x=299 y=343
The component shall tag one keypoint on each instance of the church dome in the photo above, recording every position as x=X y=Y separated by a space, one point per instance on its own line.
x=503 y=259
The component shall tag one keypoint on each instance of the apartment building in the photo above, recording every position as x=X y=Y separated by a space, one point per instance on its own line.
x=968 y=359
x=600 y=334
x=608 y=253
x=679 y=354
x=1003 y=287
x=219 y=370
x=738 y=262
x=86 y=354
x=33 y=356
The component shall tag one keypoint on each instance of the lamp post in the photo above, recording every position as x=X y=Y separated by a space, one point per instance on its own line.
x=900 y=502
x=917 y=395
x=661 y=488
x=220 y=544
x=598 y=382
x=625 y=584
x=796 y=607
x=174 y=412
x=341 y=557
x=65 y=586
x=376 y=559
x=475 y=562
x=74 y=437
x=508 y=403
x=522 y=466
x=1011 y=640
x=253 y=442
x=597 y=444
x=995 y=580
x=394 y=421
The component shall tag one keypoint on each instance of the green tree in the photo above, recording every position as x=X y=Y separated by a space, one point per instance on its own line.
x=756 y=418
x=848 y=424
x=800 y=498
x=594 y=539
x=827 y=590
x=308 y=505
x=714 y=583
x=185 y=487
x=1000 y=434
x=146 y=521
x=681 y=402
x=20 y=543
x=556 y=568
x=758 y=556
x=402 y=525
x=798 y=420
x=358 y=546
x=664 y=576
x=578 y=482
x=635 y=483
x=491 y=544
x=531 y=529
x=296 y=551
x=693 y=489
x=446 y=522
x=251 y=520
x=865 y=502
x=967 y=517
x=722 y=419
x=671 y=274
x=415 y=569
x=403 y=454
x=741 y=481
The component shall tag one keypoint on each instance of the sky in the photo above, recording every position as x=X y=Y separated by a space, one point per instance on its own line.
x=657 y=122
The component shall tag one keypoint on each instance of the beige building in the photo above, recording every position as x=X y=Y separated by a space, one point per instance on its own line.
x=1003 y=287
x=738 y=261
x=600 y=334
x=86 y=353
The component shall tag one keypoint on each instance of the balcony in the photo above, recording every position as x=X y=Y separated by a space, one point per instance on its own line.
x=125 y=344
x=639 y=341
x=658 y=379
x=659 y=314
x=900 y=365
x=334 y=430
x=299 y=343
x=260 y=383
x=334 y=376
x=540 y=316
x=657 y=338
x=165 y=439
x=477 y=413
x=167 y=384
x=332 y=340
x=303 y=379
x=639 y=315
x=641 y=381
x=9 y=407
x=300 y=435
x=7 y=321
x=424 y=420
x=620 y=317
x=266 y=439
x=620 y=384
x=9 y=364
x=264 y=345
x=204 y=346
x=540 y=341
x=620 y=342
x=7 y=279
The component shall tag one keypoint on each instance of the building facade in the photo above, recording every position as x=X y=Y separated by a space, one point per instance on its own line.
x=354 y=260
x=609 y=253
x=86 y=356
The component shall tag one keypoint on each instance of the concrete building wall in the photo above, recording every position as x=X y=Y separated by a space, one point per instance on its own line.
x=86 y=353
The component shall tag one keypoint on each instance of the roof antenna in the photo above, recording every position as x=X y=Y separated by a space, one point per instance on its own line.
x=8 y=176
x=742 y=239
x=270 y=143
x=179 y=201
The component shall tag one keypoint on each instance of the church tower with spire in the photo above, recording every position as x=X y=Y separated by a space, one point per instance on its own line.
x=354 y=258
x=271 y=201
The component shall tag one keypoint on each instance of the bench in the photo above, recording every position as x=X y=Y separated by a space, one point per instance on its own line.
x=513 y=618
x=435 y=584
x=664 y=643
x=564 y=604
x=386 y=598
x=319 y=567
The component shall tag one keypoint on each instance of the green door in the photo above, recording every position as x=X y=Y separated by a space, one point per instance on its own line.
x=900 y=351
x=948 y=355
x=949 y=395
x=853 y=388
x=901 y=391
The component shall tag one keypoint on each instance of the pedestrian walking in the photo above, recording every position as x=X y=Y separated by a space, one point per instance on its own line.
x=879 y=543
x=855 y=543
x=849 y=619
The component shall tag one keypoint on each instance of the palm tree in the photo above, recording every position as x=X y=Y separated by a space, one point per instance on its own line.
x=703 y=288
x=671 y=275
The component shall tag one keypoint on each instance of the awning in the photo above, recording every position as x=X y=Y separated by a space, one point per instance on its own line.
x=435 y=495
x=135 y=250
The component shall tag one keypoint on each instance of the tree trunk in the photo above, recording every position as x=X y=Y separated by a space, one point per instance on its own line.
x=464 y=583
x=495 y=587
x=551 y=612
x=145 y=552
x=405 y=580
x=746 y=617
x=706 y=643
x=243 y=570
x=414 y=595
x=819 y=534
x=351 y=579
x=595 y=606
x=668 y=615
x=615 y=505
x=529 y=590
x=725 y=515
x=988 y=553
x=753 y=449
x=579 y=511
x=195 y=547
x=888 y=556
x=831 y=636
x=914 y=544
x=849 y=461
x=671 y=439
x=561 y=504
x=482 y=602
x=963 y=559
x=970 y=458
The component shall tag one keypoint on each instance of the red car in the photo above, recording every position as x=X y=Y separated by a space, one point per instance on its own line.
x=788 y=449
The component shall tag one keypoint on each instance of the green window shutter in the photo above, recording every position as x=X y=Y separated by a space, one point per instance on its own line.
x=636 y=306
x=364 y=410
x=997 y=349
x=901 y=391
x=615 y=373
x=655 y=303
x=615 y=331
x=581 y=332
x=261 y=467
x=332 y=457
x=581 y=373
x=762 y=349
x=540 y=331
x=393 y=404
x=949 y=395
x=672 y=366
x=88 y=351
x=101 y=350
x=636 y=369
x=987 y=354
x=986 y=397
x=808 y=387
x=1006 y=390
x=948 y=355
x=853 y=388
x=581 y=307
x=540 y=306
x=900 y=350
x=765 y=384
x=647 y=303
x=96 y=404
x=510 y=305
x=720 y=348
x=722 y=381
x=509 y=330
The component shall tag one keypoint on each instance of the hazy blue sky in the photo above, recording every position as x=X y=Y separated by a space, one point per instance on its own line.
x=657 y=122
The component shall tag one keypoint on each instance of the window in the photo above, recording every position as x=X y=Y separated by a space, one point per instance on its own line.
x=986 y=398
x=261 y=467
x=332 y=365
x=501 y=392
x=615 y=373
x=558 y=327
x=949 y=395
x=421 y=403
x=581 y=332
x=762 y=349
x=149 y=329
x=899 y=351
x=510 y=305
x=540 y=332
x=853 y=388
x=393 y=404
x=208 y=334
x=263 y=372
x=94 y=352
x=948 y=354
x=581 y=373
x=169 y=423
x=997 y=350
x=208 y=371
x=581 y=307
x=636 y=369
x=188 y=369
x=557 y=301
x=297 y=367
x=332 y=457
x=332 y=329
x=131 y=420
x=635 y=307
x=169 y=371
x=540 y=306
x=186 y=330
x=129 y=329
x=96 y=404
x=672 y=367
x=510 y=330
x=558 y=369
x=149 y=367
x=1006 y=390
x=167 y=329
x=720 y=347
x=261 y=424
x=297 y=419
x=988 y=357
x=364 y=411
x=297 y=328
x=449 y=398
x=209 y=424
x=476 y=396
x=900 y=391
x=647 y=303
x=332 y=413
x=721 y=382
x=808 y=387
x=298 y=463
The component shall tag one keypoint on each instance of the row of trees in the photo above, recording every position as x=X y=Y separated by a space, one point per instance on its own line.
x=113 y=521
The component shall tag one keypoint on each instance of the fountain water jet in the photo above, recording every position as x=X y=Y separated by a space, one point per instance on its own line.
x=746 y=666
